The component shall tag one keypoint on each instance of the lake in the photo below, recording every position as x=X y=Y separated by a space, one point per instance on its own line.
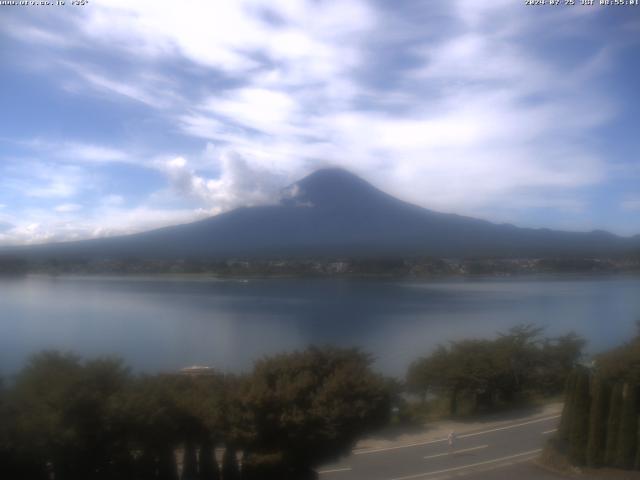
x=165 y=323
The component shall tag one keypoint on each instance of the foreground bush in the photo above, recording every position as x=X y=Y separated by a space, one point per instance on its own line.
x=84 y=420
x=307 y=408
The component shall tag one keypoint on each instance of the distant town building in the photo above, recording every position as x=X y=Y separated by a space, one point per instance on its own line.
x=197 y=371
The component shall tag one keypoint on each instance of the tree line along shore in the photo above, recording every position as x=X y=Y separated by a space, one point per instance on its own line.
x=328 y=267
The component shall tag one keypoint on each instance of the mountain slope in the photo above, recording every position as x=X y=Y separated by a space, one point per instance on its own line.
x=335 y=213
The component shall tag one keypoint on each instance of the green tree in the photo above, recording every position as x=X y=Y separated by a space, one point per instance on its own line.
x=564 y=429
x=154 y=425
x=519 y=353
x=11 y=466
x=433 y=375
x=636 y=463
x=514 y=365
x=310 y=407
x=622 y=363
x=579 y=428
x=190 y=463
x=557 y=358
x=470 y=369
x=230 y=468
x=627 y=430
x=598 y=422
x=64 y=420
x=208 y=466
x=196 y=402
x=613 y=424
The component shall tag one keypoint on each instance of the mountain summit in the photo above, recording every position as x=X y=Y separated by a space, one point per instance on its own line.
x=332 y=187
x=333 y=212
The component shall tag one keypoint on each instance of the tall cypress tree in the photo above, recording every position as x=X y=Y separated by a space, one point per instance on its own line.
x=167 y=468
x=579 y=426
x=627 y=431
x=190 y=462
x=567 y=410
x=613 y=424
x=600 y=396
x=208 y=465
x=636 y=463
x=230 y=469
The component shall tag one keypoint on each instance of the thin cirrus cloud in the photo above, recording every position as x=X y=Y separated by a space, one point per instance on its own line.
x=229 y=102
x=68 y=207
x=632 y=204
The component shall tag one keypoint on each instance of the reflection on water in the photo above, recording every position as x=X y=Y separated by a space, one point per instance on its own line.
x=166 y=323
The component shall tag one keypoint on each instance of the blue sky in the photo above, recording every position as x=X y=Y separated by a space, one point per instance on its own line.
x=122 y=116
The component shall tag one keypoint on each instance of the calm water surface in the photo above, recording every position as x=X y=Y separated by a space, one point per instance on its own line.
x=167 y=323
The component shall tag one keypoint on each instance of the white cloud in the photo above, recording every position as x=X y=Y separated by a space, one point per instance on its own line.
x=59 y=185
x=33 y=178
x=41 y=227
x=225 y=35
x=238 y=183
x=38 y=36
x=265 y=110
x=68 y=207
x=72 y=152
x=90 y=153
x=631 y=204
x=113 y=200
x=122 y=220
x=127 y=89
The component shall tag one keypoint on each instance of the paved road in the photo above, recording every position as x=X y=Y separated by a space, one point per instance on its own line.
x=495 y=453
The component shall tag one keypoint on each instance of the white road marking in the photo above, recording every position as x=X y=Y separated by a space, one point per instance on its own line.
x=508 y=427
x=547 y=432
x=334 y=470
x=431 y=442
x=453 y=452
x=397 y=447
x=471 y=465
x=486 y=468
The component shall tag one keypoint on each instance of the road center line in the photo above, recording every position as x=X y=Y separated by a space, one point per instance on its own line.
x=334 y=470
x=431 y=442
x=453 y=452
x=547 y=432
x=471 y=465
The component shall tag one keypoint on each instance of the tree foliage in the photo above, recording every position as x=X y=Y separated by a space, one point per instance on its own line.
x=88 y=420
x=613 y=424
x=602 y=405
x=311 y=406
x=579 y=420
x=564 y=428
x=502 y=370
x=598 y=422
x=628 y=429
